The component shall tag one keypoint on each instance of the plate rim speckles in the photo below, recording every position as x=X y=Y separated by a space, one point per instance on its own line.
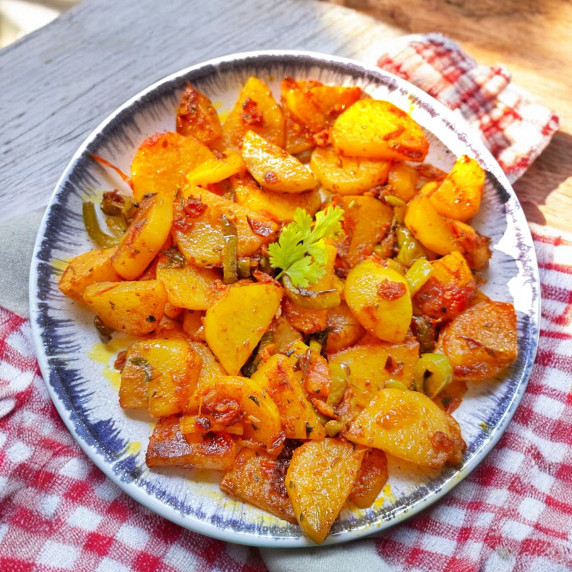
x=59 y=326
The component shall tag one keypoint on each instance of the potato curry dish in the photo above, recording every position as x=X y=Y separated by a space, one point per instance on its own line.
x=303 y=292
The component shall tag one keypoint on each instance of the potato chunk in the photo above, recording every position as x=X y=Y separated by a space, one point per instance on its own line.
x=379 y=298
x=197 y=227
x=165 y=371
x=163 y=161
x=145 y=236
x=273 y=168
x=230 y=335
x=256 y=110
x=377 y=129
x=371 y=479
x=131 y=307
x=197 y=116
x=169 y=447
x=459 y=194
x=481 y=342
x=319 y=480
x=258 y=478
x=230 y=400
x=278 y=378
x=85 y=269
x=410 y=426
x=347 y=175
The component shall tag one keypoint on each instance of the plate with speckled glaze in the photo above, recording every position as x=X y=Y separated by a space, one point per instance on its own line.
x=78 y=369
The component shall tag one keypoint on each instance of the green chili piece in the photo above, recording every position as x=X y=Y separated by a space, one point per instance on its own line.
x=432 y=373
x=244 y=268
x=229 y=251
x=395 y=384
x=94 y=231
x=394 y=201
x=410 y=248
x=116 y=225
x=333 y=427
x=339 y=373
x=419 y=272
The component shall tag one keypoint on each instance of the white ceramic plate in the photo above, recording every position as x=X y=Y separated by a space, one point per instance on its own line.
x=79 y=383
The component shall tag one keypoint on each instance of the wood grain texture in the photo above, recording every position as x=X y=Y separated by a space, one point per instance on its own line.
x=533 y=39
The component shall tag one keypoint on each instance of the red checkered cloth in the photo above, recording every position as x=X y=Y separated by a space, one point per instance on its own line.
x=514 y=512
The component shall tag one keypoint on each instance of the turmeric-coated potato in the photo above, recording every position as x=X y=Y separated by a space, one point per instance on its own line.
x=274 y=168
x=145 y=236
x=256 y=110
x=379 y=298
x=131 y=307
x=169 y=447
x=197 y=116
x=230 y=400
x=378 y=130
x=347 y=175
x=216 y=170
x=163 y=161
x=343 y=327
x=408 y=425
x=258 y=478
x=279 y=380
x=371 y=478
x=235 y=323
x=319 y=479
x=87 y=268
x=459 y=194
x=481 y=342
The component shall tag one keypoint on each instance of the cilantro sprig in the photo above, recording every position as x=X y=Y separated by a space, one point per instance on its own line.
x=300 y=251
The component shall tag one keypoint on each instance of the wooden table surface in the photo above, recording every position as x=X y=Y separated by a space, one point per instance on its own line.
x=57 y=84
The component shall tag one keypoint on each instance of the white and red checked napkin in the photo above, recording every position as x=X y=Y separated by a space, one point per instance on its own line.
x=514 y=512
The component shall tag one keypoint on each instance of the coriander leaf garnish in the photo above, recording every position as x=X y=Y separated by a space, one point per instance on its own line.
x=300 y=252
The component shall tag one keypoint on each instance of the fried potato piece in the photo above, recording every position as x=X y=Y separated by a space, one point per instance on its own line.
x=256 y=110
x=86 y=269
x=379 y=298
x=410 y=426
x=162 y=162
x=169 y=447
x=131 y=307
x=347 y=175
x=258 y=478
x=197 y=116
x=274 y=168
x=481 y=342
x=231 y=337
x=371 y=479
x=145 y=236
x=377 y=129
x=319 y=480
x=343 y=327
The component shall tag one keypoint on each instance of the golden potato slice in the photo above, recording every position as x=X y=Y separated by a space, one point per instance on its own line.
x=197 y=227
x=459 y=194
x=402 y=181
x=379 y=298
x=163 y=161
x=319 y=480
x=165 y=370
x=145 y=236
x=371 y=479
x=366 y=222
x=273 y=168
x=372 y=365
x=211 y=370
x=188 y=286
x=481 y=342
x=258 y=478
x=232 y=399
x=378 y=130
x=280 y=207
x=87 y=268
x=197 y=116
x=235 y=323
x=347 y=175
x=131 y=307
x=169 y=447
x=256 y=110
x=279 y=380
x=408 y=425
x=343 y=327
x=298 y=102
x=218 y=169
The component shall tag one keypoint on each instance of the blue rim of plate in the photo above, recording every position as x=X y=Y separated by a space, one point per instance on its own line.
x=57 y=350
